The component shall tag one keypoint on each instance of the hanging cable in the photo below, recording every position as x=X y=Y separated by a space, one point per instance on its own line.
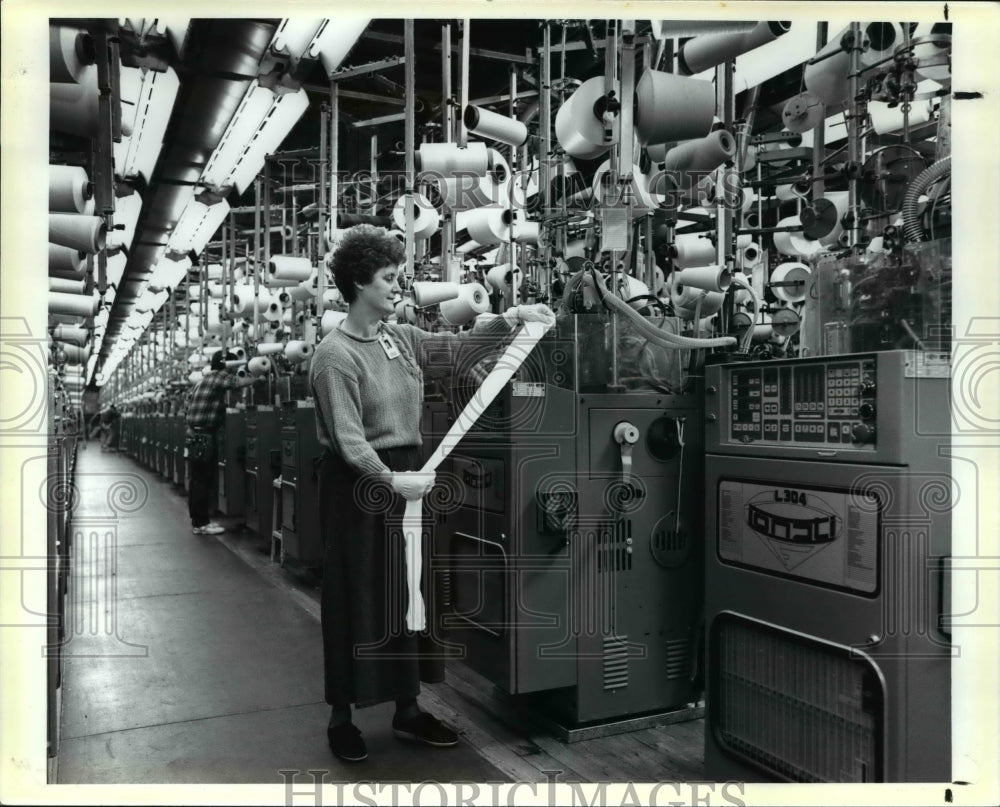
x=680 y=473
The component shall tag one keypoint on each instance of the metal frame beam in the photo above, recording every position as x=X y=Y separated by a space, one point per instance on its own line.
x=482 y=53
x=365 y=69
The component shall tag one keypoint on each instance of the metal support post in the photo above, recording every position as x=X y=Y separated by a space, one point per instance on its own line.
x=855 y=114
x=409 y=138
x=447 y=133
x=322 y=217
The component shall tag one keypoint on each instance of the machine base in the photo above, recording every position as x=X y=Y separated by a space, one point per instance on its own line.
x=522 y=707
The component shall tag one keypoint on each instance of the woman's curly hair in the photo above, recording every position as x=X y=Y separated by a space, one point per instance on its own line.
x=363 y=250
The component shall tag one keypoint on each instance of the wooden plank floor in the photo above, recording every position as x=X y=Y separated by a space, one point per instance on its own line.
x=517 y=746
x=664 y=753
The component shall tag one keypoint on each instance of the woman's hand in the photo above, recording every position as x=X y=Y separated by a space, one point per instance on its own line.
x=412 y=485
x=539 y=312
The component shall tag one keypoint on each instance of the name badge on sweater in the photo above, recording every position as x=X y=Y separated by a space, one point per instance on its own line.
x=388 y=346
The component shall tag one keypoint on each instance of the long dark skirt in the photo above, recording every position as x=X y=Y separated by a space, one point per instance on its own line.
x=368 y=655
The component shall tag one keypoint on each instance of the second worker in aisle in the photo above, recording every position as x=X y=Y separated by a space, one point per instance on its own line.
x=367 y=378
x=206 y=411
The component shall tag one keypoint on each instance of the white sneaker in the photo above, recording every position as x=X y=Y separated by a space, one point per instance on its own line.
x=208 y=529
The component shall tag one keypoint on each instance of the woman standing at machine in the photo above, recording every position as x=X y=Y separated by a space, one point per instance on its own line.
x=367 y=380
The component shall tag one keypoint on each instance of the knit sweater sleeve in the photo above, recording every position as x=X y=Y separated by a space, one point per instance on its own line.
x=338 y=391
x=443 y=348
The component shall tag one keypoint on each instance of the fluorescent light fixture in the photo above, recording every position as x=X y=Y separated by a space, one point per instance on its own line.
x=151 y=301
x=140 y=319
x=116 y=267
x=196 y=226
x=147 y=101
x=300 y=40
x=294 y=36
x=261 y=122
x=335 y=39
x=127 y=209
x=168 y=273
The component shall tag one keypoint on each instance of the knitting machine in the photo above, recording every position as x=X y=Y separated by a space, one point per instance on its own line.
x=262 y=466
x=231 y=461
x=178 y=465
x=827 y=518
x=568 y=542
x=300 y=455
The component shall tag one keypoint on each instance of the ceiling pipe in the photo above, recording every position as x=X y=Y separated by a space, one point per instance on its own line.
x=221 y=57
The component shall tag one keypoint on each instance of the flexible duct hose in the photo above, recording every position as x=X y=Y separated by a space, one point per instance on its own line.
x=652 y=333
x=911 y=215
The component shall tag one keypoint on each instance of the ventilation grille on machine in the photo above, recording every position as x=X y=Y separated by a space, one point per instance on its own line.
x=669 y=542
x=614 y=550
x=678 y=659
x=615 y=662
x=445 y=583
x=798 y=708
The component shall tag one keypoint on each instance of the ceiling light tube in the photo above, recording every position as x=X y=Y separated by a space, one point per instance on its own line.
x=168 y=273
x=147 y=101
x=260 y=124
x=127 y=209
x=295 y=35
x=116 y=268
x=335 y=39
x=196 y=226
x=151 y=301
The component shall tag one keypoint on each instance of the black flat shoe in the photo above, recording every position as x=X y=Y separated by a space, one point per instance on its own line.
x=346 y=742
x=426 y=729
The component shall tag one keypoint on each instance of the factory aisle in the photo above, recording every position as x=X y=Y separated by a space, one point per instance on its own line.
x=185 y=664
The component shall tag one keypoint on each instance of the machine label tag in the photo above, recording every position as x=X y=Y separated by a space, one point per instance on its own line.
x=828 y=536
x=528 y=389
x=922 y=364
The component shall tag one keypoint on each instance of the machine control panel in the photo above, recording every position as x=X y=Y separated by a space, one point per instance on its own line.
x=827 y=403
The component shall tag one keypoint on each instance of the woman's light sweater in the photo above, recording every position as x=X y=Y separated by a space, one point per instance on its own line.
x=367 y=401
